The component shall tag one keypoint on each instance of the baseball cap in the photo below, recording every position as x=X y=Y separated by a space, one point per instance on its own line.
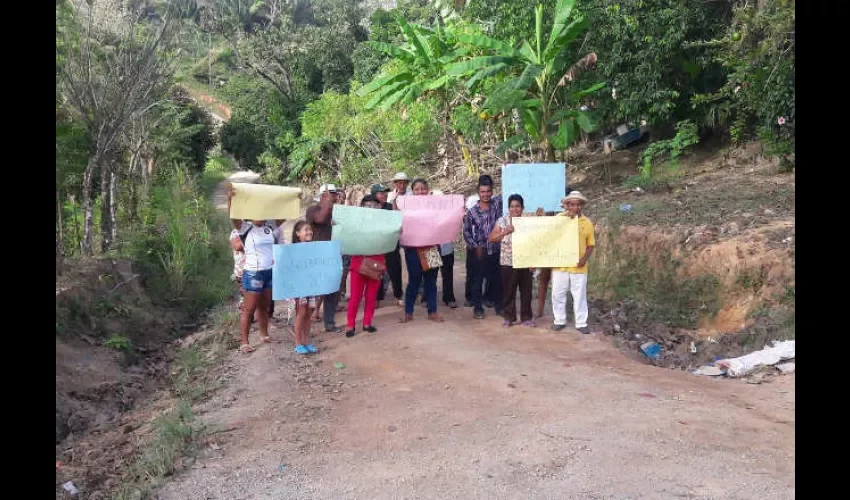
x=325 y=188
x=378 y=188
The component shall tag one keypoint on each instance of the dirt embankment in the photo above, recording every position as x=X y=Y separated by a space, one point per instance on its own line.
x=708 y=256
x=107 y=343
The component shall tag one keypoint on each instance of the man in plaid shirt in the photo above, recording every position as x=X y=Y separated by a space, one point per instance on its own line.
x=477 y=225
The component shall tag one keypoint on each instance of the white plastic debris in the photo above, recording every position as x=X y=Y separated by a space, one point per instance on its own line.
x=786 y=367
x=708 y=371
x=769 y=356
x=70 y=488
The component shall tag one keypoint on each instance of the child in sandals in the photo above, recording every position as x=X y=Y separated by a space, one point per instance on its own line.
x=303 y=233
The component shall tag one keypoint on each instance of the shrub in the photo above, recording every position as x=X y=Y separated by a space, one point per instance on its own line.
x=181 y=244
x=341 y=139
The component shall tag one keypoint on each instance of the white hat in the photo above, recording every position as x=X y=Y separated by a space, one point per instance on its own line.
x=325 y=188
x=574 y=195
x=401 y=176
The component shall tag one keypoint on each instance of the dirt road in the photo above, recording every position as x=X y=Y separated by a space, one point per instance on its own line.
x=469 y=410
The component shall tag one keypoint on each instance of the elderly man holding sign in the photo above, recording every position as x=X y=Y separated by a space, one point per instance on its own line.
x=574 y=278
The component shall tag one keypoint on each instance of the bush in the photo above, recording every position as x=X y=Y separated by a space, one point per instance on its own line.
x=187 y=133
x=671 y=149
x=758 y=53
x=642 y=54
x=260 y=117
x=341 y=139
x=182 y=245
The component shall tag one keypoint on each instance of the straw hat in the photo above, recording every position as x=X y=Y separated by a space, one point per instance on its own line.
x=401 y=176
x=574 y=195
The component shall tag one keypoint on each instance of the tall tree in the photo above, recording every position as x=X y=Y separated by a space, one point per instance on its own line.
x=114 y=69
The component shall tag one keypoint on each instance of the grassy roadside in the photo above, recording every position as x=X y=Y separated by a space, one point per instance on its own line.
x=198 y=279
x=176 y=436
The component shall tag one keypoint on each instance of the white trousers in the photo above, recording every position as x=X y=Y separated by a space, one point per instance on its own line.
x=576 y=283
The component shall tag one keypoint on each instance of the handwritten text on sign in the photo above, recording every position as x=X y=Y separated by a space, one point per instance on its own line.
x=366 y=231
x=306 y=269
x=430 y=220
x=545 y=242
x=540 y=184
x=264 y=202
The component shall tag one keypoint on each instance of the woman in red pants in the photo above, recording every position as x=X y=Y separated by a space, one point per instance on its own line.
x=363 y=285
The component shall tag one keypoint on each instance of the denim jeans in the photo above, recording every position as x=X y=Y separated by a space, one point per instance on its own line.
x=415 y=276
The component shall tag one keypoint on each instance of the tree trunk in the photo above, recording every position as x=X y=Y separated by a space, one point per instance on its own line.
x=549 y=150
x=113 y=205
x=105 y=203
x=60 y=240
x=88 y=206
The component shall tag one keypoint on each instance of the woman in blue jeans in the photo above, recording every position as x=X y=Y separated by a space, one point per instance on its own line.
x=259 y=240
x=415 y=276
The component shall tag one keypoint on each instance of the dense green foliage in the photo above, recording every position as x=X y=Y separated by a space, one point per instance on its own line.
x=538 y=91
x=329 y=89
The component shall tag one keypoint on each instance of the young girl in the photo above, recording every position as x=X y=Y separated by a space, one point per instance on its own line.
x=303 y=232
x=361 y=284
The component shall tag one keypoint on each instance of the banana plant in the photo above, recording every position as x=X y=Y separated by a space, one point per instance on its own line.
x=422 y=61
x=540 y=69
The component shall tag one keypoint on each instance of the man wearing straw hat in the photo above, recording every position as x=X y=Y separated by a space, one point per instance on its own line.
x=401 y=183
x=573 y=279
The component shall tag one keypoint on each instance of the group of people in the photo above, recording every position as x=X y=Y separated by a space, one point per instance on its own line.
x=491 y=278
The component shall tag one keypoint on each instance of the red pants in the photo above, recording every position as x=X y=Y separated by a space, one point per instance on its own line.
x=360 y=285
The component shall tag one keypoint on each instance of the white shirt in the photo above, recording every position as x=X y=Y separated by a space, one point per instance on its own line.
x=259 y=247
x=394 y=194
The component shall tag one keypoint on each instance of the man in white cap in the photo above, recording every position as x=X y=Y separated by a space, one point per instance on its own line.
x=400 y=181
x=320 y=216
x=574 y=279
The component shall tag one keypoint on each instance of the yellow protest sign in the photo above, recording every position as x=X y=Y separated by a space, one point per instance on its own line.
x=545 y=242
x=262 y=201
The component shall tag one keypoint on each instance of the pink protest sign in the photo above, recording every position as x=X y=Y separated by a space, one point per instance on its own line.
x=430 y=220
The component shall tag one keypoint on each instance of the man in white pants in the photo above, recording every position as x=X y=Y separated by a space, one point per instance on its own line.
x=573 y=279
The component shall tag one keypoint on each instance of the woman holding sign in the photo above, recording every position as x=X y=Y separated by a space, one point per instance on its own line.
x=422 y=265
x=367 y=271
x=512 y=278
x=258 y=243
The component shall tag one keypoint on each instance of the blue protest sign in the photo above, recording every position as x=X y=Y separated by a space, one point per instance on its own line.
x=306 y=269
x=540 y=184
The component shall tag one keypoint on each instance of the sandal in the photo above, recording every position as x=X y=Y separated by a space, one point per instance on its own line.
x=507 y=324
x=530 y=323
x=313 y=349
x=268 y=340
x=436 y=318
x=301 y=349
x=247 y=348
x=406 y=319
